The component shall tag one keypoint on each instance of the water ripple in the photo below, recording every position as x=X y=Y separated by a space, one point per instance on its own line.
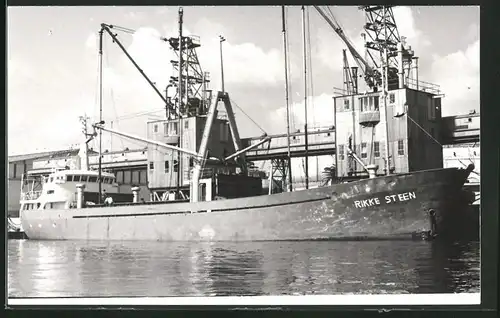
x=76 y=268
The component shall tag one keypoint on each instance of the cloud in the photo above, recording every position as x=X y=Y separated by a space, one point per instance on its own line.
x=247 y=63
x=458 y=76
x=320 y=114
x=18 y=73
x=330 y=47
x=135 y=15
x=244 y=63
x=472 y=32
x=404 y=18
x=91 y=42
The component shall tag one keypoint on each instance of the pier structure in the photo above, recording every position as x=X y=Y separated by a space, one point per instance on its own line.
x=130 y=165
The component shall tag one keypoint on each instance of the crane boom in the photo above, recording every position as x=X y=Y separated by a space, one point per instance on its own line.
x=372 y=76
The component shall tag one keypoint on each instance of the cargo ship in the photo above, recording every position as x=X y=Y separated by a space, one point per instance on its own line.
x=202 y=188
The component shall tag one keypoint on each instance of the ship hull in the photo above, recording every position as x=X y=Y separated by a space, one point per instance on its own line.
x=414 y=206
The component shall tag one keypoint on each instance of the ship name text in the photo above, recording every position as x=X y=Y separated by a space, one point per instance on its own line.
x=388 y=199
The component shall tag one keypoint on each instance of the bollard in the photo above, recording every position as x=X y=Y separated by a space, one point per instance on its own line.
x=135 y=192
x=79 y=195
x=372 y=171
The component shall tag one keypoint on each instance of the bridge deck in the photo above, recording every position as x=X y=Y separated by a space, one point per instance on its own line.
x=320 y=142
x=455 y=130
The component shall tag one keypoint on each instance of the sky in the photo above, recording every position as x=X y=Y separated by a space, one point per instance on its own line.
x=53 y=65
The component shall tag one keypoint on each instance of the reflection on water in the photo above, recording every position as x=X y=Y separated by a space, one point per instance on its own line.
x=75 y=268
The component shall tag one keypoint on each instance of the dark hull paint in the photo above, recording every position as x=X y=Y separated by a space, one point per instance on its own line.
x=323 y=214
x=17 y=235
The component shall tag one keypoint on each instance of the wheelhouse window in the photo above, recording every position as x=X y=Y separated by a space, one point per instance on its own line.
x=392 y=98
x=341 y=152
x=364 y=153
x=173 y=128
x=346 y=104
x=143 y=177
x=176 y=166
x=93 y=179
x=135 y=177
x=376 y=149
x=167 y=166
x=127 y=177
x=151 y=165
x=401 y=147
x=119 y=176
x=69 y=178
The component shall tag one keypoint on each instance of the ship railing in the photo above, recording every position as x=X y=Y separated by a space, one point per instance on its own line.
x=206 y=173
x=116 y=204
x=423 y=86
x=341 y=92
x=210 y=172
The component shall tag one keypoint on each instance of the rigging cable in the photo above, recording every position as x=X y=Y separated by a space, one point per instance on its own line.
x=289 y=66
x=96 y=95
x=113 y=103
x=425 y=131
x=258 y=126
x=309 y=49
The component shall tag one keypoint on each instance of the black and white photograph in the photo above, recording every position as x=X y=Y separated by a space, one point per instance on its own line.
x=305 y=154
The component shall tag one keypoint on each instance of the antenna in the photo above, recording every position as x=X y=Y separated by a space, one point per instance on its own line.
x=100 y=115
x=283 y=17
x=305 y=97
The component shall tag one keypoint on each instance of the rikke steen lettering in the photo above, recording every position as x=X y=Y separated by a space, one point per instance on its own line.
x=388 y=199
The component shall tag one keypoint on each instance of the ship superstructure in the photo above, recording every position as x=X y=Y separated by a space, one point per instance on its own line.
x=394 y=123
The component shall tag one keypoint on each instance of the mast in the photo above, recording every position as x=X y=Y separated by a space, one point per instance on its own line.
x=221 y=39
x=100 y=115
x=385 y=88
x=283 y=17
x=179 y=80
x=305 y=96
x=181 y=97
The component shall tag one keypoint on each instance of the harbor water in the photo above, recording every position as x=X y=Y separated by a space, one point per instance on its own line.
x=113 y=269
